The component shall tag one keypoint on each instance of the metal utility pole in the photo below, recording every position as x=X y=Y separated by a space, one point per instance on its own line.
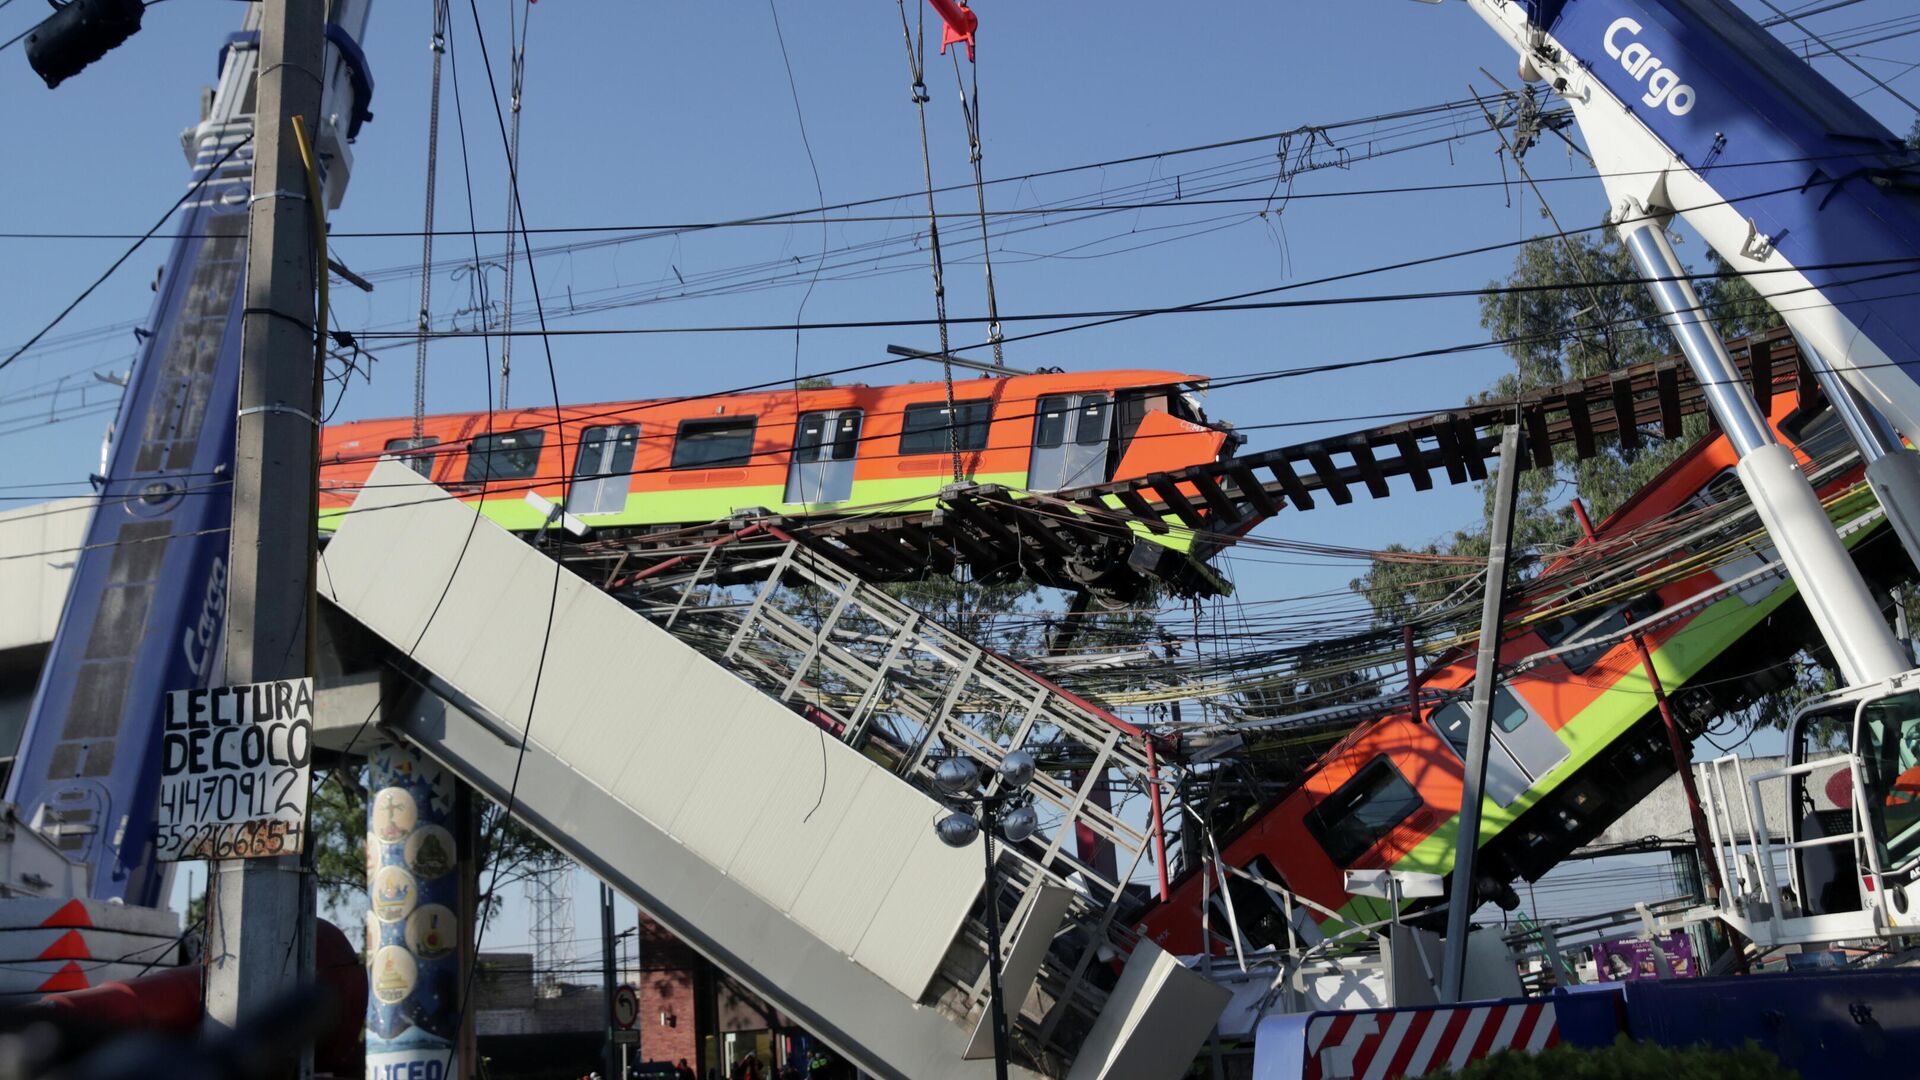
x=1836 y=595
x=1485 y=671
x=610 y=1054
x=260 y=918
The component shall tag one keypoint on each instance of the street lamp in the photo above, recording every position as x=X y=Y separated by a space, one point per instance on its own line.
x=1008 y=812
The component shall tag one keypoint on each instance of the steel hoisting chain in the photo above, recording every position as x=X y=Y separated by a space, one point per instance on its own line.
x=916 y=66
x=426 y=231
x=970 y=111
x=518 y=68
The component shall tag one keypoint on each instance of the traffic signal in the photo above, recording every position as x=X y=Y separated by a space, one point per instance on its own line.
x=78 y=33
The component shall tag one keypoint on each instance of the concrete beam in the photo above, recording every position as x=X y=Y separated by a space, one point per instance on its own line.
x=1661 y=820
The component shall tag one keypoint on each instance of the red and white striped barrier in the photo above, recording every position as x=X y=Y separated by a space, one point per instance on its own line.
x=1386 y=1043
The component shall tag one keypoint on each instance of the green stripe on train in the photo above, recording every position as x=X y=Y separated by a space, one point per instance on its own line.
x=1614 y=712
x=894 y=496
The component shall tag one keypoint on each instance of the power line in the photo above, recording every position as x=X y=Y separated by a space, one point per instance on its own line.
x=1224 y=304
x=192 y=190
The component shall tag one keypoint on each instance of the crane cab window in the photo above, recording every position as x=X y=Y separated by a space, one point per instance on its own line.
x=407 y=451
x=924 y=428
x=1363 y=811
x=507 y=455
x=1890 y=757
x=714 y=444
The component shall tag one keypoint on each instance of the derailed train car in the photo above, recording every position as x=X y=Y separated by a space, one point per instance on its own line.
x=1577 y=736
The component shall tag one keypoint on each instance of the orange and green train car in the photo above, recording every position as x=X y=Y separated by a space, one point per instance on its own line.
x=841 y=450
x=1577 y=739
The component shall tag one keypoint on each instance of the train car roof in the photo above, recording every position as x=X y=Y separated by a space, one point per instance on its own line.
x=1036 y=384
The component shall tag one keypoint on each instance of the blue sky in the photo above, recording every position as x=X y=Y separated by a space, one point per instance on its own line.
x=681 y=112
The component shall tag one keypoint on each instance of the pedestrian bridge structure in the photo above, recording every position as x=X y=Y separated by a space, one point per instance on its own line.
x=742 y=742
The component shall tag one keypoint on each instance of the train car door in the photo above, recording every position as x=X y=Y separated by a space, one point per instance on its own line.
x=603 y=472
x=1071 y=433
x=1537 y=747
x=825 y=445
x=1506 y=781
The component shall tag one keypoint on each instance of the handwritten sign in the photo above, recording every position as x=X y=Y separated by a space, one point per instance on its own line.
x=236 y=764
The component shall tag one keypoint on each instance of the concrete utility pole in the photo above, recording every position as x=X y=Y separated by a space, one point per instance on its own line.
x=1485 y=673
x=260 y=918
x=610 y=1051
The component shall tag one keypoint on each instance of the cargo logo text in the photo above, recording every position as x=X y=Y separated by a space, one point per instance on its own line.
x=1663 y=83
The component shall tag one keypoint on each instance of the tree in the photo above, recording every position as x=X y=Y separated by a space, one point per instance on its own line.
x=337 y=824
x=1555 y=335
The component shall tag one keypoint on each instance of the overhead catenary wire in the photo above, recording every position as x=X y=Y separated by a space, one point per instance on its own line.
x=916 y=66
x=517 y=46
x=425 y=324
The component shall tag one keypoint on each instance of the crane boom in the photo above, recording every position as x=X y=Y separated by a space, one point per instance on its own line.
x=144 y=612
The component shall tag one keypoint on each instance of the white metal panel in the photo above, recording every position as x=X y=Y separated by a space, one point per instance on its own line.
x=36 y=567
x=718 y=761
x=1024 y=956
x=585 y=662
x=395 y=596
x=858 y=866
x=661 y=776
x=500 y=651
x=567 y=597
x=928 y=901
x=800 y=816
x=726 y=802
x=1154 y=1023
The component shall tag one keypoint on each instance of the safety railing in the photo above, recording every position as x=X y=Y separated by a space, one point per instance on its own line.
x=868 y=669
x=1754 y=899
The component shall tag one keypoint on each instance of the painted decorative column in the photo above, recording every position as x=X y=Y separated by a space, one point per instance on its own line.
x=413 y=933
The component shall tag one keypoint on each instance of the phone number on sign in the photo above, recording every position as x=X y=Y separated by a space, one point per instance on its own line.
x=232 y=840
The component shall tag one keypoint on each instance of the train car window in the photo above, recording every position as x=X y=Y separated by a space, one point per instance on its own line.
x=924 y=428
x=1817 y=432
x=507 y=455
x=606 y=451
x=1364 y=809
x=1133 y=408
x=420 y=463
x=1092 y=429
x=714 y=444
x=1261 y=914
x=1579 y=626
x=1050 y=422
x=1180 y=409
x=812 y=434
x=846 y=436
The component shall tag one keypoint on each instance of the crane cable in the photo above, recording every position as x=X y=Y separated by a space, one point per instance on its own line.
x=517 y=61
x=970 y=112
x=426 y=240
x=916 y=66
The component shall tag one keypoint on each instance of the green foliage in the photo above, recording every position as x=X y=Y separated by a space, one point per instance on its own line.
x=337 y=820
x=337 y=823
x=1626 y=1060
x=1555 y=335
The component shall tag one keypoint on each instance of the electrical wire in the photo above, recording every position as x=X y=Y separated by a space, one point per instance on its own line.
x=192 y=191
